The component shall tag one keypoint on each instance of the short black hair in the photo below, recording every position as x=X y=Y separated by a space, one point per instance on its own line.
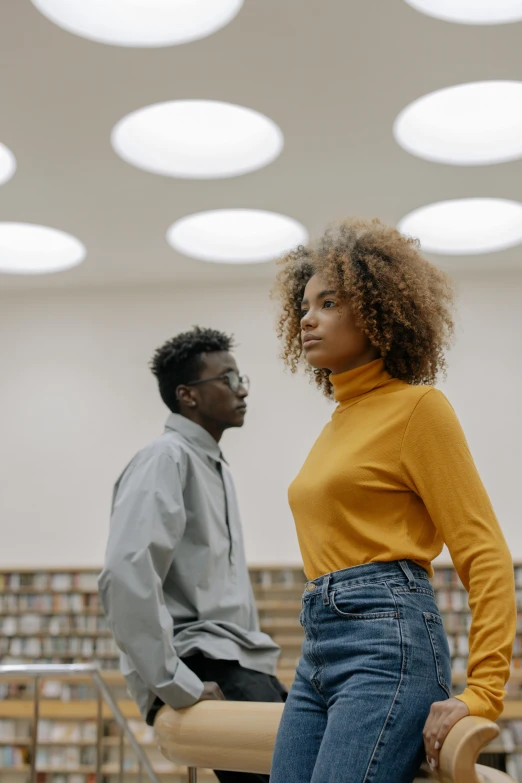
x=178 y=361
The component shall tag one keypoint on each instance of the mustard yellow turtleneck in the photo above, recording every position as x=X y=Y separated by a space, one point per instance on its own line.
x=391 y=478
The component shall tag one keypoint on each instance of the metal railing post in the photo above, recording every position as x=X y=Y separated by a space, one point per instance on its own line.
x=34 y=739
x=122 y=755
x=123 y=725
x=192 y=775
x=99 y=737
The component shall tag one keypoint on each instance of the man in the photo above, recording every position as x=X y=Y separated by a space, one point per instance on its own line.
x=175 y=586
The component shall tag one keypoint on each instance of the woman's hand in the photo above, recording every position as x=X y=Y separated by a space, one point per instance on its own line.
x=443 y=716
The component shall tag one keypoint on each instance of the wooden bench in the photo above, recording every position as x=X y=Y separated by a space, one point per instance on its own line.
x=240 y=736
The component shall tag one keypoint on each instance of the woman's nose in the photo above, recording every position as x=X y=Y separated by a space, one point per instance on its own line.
x=308 y=319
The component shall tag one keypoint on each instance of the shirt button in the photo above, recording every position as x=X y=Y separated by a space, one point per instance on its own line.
x=311 y=587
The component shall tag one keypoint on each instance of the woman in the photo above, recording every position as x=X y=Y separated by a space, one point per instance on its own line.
x=388 y=482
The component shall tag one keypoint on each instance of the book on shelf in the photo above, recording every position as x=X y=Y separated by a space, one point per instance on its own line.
x=50 y=777
x=13 y=756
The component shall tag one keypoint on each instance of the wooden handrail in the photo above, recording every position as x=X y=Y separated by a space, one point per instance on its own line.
x=240 y=736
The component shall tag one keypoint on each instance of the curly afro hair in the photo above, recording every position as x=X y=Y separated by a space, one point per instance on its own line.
x=400 y=302
x=179 y=361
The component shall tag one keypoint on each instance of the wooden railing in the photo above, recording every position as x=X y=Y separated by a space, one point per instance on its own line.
x=240 y=736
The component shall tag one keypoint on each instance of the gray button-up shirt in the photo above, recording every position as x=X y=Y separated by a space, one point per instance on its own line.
x=175 y=580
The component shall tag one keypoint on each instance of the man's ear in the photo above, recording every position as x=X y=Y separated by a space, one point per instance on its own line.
x=186 y=396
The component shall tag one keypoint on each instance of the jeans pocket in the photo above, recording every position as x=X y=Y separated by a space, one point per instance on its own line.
x=364 y=602
x=441 y=653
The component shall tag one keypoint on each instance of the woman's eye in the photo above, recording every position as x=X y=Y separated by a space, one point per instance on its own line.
x=303 y=313
x=329 y=302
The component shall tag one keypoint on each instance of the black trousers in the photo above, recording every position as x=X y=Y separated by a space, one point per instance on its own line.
x=237 y=684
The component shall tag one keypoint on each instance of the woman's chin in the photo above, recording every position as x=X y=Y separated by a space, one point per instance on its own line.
x=314 y=359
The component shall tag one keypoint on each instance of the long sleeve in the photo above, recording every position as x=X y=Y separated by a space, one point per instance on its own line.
x=437 y=465
x=147 y=523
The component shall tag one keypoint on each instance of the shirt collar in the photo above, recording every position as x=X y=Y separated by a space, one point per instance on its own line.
x=352 y=384
x=195 y=434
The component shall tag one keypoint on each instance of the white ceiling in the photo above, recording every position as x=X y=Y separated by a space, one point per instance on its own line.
x=333 y=74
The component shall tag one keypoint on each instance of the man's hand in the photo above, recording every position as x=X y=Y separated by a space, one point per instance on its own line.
x=211 y=692
x=443 y=716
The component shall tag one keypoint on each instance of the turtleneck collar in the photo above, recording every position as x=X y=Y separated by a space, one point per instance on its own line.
x=355 y=383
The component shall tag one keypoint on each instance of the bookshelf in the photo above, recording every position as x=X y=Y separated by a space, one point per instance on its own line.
x=54 y=616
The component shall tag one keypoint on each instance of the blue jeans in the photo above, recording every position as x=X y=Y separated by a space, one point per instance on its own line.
x=374 y=659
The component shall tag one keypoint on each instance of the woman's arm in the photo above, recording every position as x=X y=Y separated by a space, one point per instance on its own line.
x=437 y=465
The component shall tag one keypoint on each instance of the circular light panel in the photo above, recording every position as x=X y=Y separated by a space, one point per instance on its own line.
x=197 y=139
x=144 y=23
x=236 y=236
x=471 y=11
x=7 y=164
x=466 y=125
x=469 y=226
x=26 y=249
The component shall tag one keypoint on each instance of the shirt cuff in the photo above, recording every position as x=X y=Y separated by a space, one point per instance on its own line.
x=183 y=691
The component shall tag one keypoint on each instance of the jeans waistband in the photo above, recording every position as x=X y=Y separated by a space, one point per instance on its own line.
x=405 y=570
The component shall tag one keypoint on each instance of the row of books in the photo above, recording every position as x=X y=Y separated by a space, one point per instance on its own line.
x=514 y=766
x=75 y=603
x=14 y=729
x=277 y=577
x=12 y=690
x=59 y=690
x=68 y=757
x=13 y=625
x=13 y=756
x=445 y=576
x=48 y=730
x=66 y=692
x=457 y=600
x=110 y=663
x=36 y=647
x=457 y=622
x=66 y=731
x=511 y=735
x=459 y=664
x=53 y=777
x=62 y=731
x=56 y=582
x=458 y=645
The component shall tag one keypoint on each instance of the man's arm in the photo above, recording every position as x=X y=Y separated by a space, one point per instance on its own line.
x=148 y=521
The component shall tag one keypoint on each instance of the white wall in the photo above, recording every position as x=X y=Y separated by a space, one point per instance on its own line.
x=77 y=400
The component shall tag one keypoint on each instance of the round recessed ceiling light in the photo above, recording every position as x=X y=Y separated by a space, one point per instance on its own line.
x=471 y=11
x=466 y=125
x=197 y=139
x=140 y=22
x=468 y=226
x=7 y=164
x=27 y=249
x=236 y=236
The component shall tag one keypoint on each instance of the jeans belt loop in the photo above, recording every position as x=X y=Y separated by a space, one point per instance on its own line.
x=408 y=574
x=326 y=584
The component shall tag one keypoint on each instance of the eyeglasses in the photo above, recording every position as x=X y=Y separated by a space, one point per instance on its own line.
x=233 y=379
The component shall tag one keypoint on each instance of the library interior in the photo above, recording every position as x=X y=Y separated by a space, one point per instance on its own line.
x=198 y=466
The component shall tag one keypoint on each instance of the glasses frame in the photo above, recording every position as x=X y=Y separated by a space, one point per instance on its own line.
x=243 y=380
